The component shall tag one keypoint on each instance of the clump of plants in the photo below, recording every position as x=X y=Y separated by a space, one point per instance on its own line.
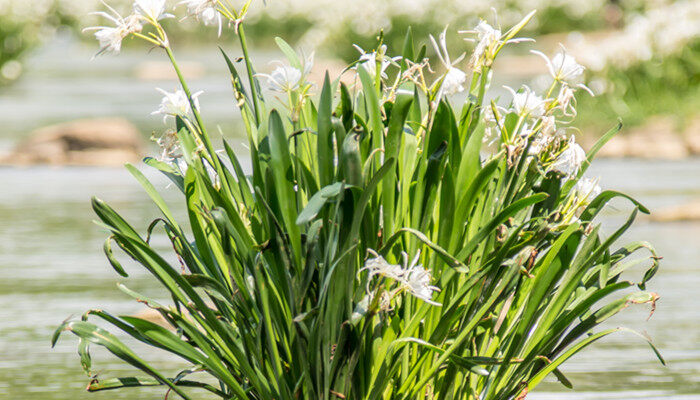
x=373 y=250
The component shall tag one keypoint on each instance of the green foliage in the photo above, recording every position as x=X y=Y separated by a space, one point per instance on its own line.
x=276 y=298
x=672 y=81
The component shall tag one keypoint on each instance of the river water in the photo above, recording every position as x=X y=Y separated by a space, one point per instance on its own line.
x=52 y=267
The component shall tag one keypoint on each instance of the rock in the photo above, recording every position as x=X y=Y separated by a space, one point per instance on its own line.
x=96 y=142
x=657 y=139
x=685 y=212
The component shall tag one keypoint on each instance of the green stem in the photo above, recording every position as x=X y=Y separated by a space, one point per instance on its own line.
x=212 y=158
x=251 y=77
x=188 y=93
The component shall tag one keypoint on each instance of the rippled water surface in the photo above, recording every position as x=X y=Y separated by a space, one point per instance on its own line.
x=52 y=267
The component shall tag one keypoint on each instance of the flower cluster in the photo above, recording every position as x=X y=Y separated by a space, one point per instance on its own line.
x=176 y=104
x=144 y=11
x=539 y=127
x=412 y=278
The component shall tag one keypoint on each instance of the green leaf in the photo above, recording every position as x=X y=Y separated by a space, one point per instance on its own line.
x=326 y=155
x=289 y=53
x=99 y=336
x=98 y=385
x=112 y=259
x=317 y=202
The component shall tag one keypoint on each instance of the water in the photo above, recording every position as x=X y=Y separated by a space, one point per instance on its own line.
x=52 y=266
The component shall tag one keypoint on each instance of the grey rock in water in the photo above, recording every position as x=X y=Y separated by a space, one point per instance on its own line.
x=90 y=142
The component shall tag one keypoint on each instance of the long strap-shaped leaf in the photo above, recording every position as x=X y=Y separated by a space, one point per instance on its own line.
x=103 y=338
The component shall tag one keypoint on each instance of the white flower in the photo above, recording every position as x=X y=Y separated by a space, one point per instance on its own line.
x=488 y=42
x=175 y=104
x=413 y=278
x=284 y=78
x=110 y=38
x=587 y=189
x=563 y=66
x=453 y=81
x=379 y=266
x=369 y=61
x=454 y=77
x=417 y=280
x=570 y=160
x=152 y=10
x=526 y=102
x=205 y=11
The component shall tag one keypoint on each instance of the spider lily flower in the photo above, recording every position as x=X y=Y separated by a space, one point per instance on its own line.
x=151 y=10
x=417 y=281
x=110 y=38
x=286 y=78
x=377 y=265
x=412 y=277
x=454 y=77
x=369 y=61
x=175 y=104
x=205 y=11
x=489 y=41
x=586 y=190
x=452 y=83
x=569 y=161
x=526 y=102
x=564 y=68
